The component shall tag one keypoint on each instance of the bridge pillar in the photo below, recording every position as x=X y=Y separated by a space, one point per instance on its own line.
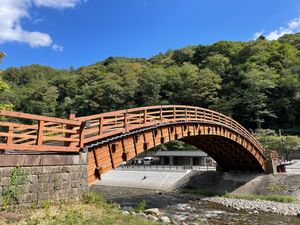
x=171 y=161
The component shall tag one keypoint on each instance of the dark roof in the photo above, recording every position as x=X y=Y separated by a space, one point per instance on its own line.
x=181 y=153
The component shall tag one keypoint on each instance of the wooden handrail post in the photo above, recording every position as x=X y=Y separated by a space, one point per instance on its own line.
x=185 y=113
x=100 y=125
x=125 y=121
x=174 y=113
x=196 y=113
x=161 y=115
x=10 y=137
x=145 y=116
x=71 y=116
x=40 y=131
x=81 y=135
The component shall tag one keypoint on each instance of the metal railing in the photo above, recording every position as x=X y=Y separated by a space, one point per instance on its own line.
x=166 y=167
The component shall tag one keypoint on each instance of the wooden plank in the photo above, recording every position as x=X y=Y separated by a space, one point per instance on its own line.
x=11 y=134
x=39 y=148
x=36 y=117
x=61 y=138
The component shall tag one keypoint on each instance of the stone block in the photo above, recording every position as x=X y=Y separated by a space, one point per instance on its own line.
x=50 y=160
x=65 y=184
x=36 y=170
x=43 y=178
x=83 y=157
x=4 y=181
x=33 y=179
x=66 y=169
x=54 y=177
x=50 y=169
x=6 y=171
x=24 y=160
x=75 y=176
x=33 y=188
x=43 y=196
x=75 y=183
x=64 y=176
x=28 y=198
x=75 y=168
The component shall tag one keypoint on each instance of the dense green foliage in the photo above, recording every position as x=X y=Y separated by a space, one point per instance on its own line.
x=283 y=145
x=3 y=89
x=255 y=82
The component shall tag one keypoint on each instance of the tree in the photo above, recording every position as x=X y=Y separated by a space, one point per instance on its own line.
x=200 y=87
x=289 y=144
x=4 y=104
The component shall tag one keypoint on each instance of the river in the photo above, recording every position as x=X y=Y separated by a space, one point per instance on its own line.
x=191 y=209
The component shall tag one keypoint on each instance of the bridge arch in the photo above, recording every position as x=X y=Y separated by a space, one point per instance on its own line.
x=115 y=137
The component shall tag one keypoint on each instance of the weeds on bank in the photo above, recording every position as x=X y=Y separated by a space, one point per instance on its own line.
x=91 y=210
x=141 y=206
x=14 y=188
x=275 y=198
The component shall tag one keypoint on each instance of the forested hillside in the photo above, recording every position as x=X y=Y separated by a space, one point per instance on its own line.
x=256 y=82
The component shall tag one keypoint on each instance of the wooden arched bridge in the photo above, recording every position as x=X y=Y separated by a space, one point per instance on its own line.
x=114 y=137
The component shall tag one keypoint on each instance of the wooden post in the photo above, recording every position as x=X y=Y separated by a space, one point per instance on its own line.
x=196 y=113
x=100 y=125
x=145 y=116
x=125 y=121
x=72 y=116
x=174 y=113
x=40 y=131
x=161 y=115
x=185 y=113
x=10 y=137
x=81 y=135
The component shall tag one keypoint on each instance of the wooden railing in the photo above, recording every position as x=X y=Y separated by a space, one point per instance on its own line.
x=70 y=135
x=46 y=133
x=122 y=121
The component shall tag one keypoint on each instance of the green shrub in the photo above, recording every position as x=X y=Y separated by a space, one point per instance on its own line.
x=141 y=206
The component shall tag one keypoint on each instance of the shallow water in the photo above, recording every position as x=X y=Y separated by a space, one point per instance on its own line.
x=188 y=209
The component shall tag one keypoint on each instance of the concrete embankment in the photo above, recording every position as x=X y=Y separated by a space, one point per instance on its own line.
x=156 y=180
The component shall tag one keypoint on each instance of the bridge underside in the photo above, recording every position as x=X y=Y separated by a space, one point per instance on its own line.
x=230 y=155
x=231 y=150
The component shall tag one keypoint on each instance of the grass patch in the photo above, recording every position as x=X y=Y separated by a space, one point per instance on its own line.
x=275 y=198
x=91 y=210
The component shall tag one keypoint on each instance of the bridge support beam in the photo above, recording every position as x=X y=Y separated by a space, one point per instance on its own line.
x=231 y=151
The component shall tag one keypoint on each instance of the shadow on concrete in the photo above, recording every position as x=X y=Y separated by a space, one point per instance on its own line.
x=213 y=182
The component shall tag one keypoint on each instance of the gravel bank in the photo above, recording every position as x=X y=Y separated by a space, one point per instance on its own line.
x=255 y=206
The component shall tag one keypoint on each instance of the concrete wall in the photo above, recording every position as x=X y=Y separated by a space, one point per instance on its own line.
x=48 y=177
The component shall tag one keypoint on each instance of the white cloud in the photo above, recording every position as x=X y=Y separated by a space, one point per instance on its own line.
x=57 y=48
x=292 y=26
x=12 y=12
x=56 y=3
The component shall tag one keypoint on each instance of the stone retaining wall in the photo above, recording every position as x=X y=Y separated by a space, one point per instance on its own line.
x=48 y=176
x=280 y=184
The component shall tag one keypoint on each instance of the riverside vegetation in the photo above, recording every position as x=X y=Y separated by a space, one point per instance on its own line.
x=91 y=209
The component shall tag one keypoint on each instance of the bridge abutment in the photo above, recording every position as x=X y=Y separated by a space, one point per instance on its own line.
x=46 y=177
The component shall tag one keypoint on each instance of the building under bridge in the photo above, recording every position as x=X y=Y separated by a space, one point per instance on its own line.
x=195 y=158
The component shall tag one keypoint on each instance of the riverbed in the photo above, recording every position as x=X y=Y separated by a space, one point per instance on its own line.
x=189 y=209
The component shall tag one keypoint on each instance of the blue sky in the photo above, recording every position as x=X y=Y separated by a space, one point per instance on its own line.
x=64 y=33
